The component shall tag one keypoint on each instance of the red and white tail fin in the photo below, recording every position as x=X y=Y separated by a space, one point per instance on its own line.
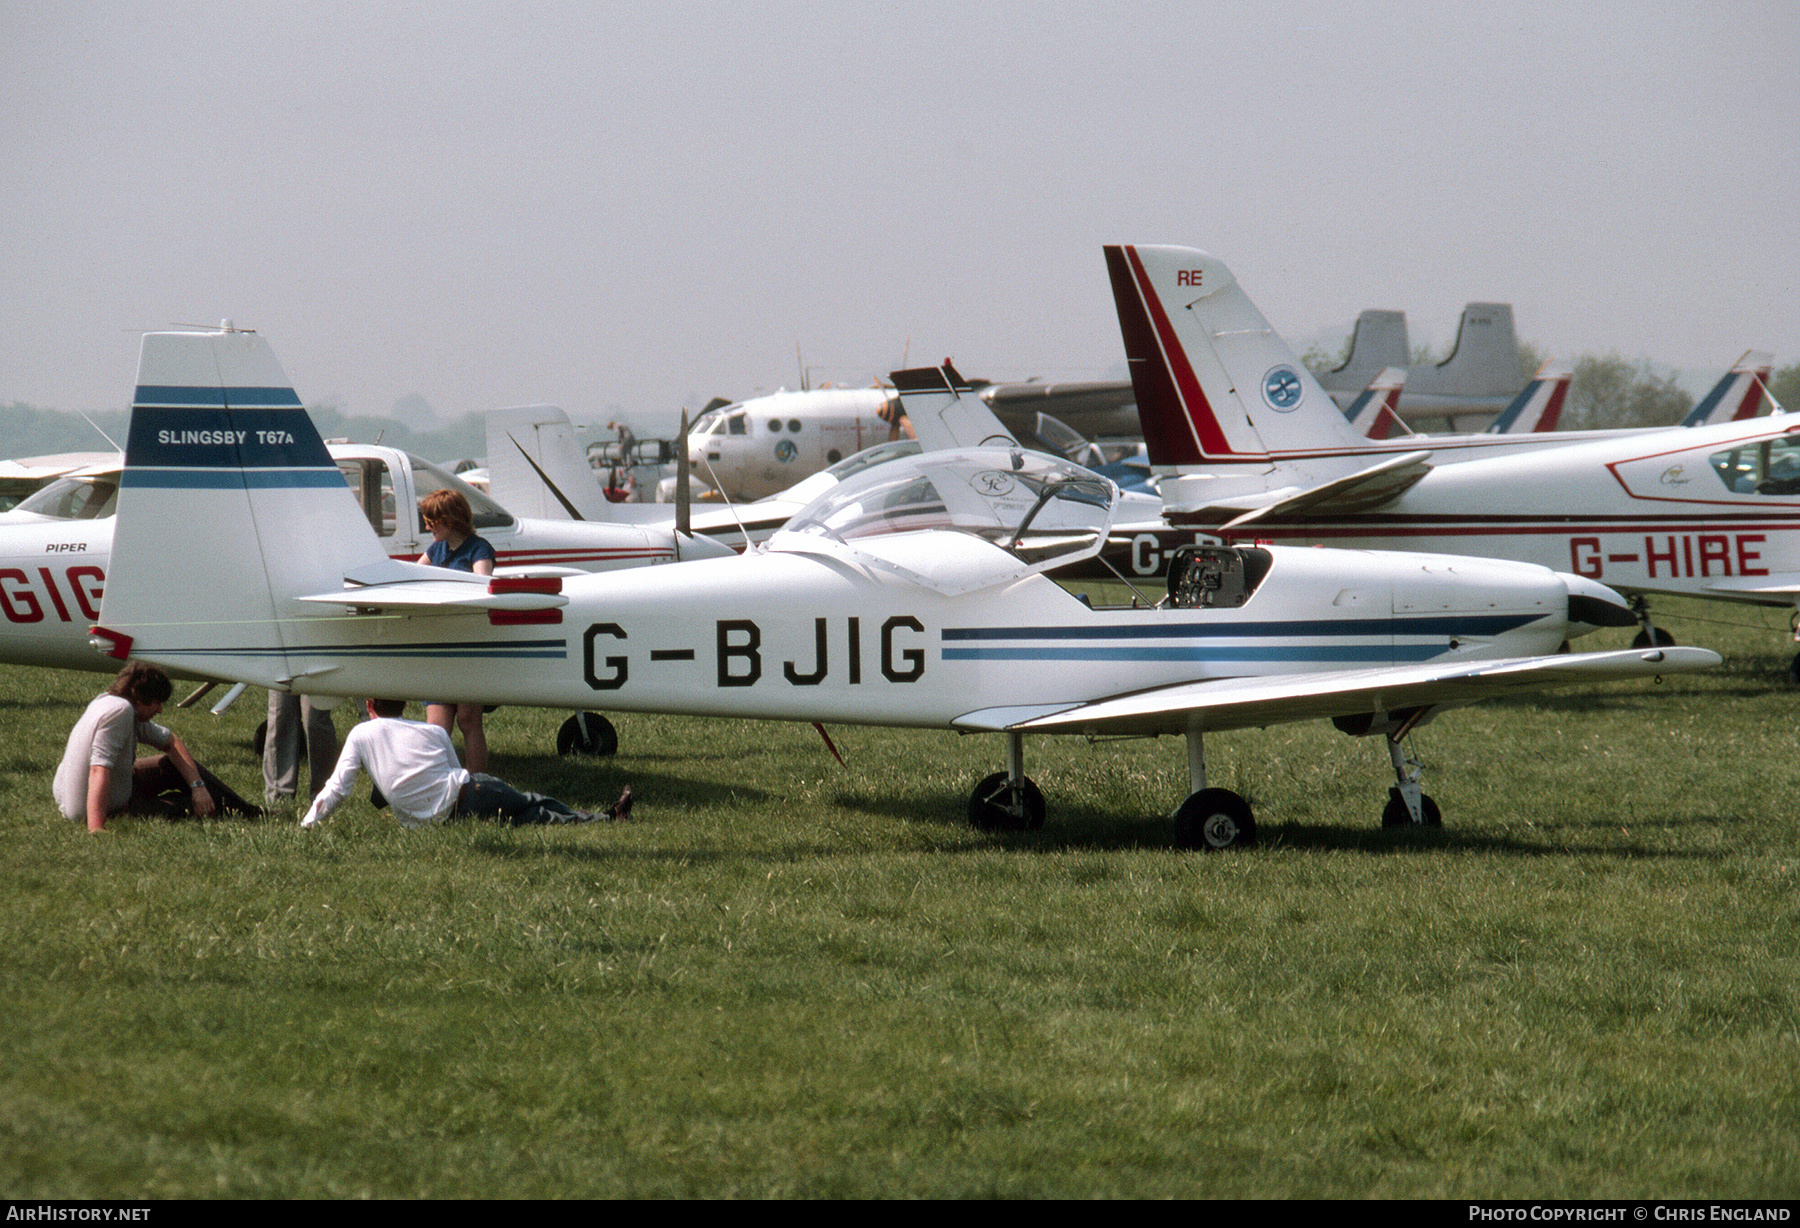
x=224 y=470
x=1217 y=388
x=1739 y=394
x=1539 y=405
x=1376 y=410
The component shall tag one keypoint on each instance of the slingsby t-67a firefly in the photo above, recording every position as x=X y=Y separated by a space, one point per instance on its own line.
x=913 y=593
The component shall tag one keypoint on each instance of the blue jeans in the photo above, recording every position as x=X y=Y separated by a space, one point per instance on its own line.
x=485 y=796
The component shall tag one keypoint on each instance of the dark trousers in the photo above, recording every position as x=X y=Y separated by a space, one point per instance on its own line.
x=157 y=789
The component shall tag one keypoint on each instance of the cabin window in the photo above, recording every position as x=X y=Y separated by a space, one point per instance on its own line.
x=1760 y=467
x=72 y=498
x=373 y=486
x=487 y=514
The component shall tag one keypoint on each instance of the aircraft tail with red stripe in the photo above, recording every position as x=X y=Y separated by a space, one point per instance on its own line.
x=1217 y=387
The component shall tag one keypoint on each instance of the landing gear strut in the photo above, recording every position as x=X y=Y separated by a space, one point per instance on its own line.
x=1008 y=801
x=1210 y=818
x=1408 y=804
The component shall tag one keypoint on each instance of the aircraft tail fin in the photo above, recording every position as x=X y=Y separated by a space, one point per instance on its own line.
x=537 y=468
x=229 y=508
x=1216 y=385
x=944 y=410
x=1484 y=361
x=1375 y=412
x=1738 y=394
x=1377 y=342
x=1539 y=405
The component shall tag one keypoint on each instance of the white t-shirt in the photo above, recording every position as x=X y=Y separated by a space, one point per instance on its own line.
x=107 y=735
x=412 y=763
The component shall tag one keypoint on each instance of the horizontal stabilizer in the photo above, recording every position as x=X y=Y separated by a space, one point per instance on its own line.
x=1358 y=492
x=436 y=597
x=414 y=588
x=1238 y=703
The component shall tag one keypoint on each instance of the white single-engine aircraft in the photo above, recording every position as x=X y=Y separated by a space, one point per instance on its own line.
x=912 y=594
x=1261 y=453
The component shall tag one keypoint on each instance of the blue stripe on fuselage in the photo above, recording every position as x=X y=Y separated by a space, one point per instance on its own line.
x=1427 y=624
x=1369 y=653
x=456 y=651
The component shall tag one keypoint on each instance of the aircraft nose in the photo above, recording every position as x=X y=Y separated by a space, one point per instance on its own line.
x=1592 y=605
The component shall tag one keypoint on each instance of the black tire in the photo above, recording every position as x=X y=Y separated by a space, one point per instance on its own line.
x=1395 y=813
x=587 y=733
x=260 y=739
x=1663 y=639
x=1215 y=819
x=997 y=806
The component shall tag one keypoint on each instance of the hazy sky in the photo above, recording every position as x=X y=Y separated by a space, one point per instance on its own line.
x=600 y=204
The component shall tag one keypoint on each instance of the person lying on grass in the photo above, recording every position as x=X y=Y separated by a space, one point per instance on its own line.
x=414 y=765
x=100 y=774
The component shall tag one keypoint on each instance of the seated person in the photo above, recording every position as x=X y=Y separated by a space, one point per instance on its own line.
x=100 y=774
x=415 y=767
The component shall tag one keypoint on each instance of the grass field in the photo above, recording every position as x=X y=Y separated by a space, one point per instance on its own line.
x=789 y=978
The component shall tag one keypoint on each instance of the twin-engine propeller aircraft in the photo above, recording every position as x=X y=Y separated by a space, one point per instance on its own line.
x=1260 y=453
x=913 y=593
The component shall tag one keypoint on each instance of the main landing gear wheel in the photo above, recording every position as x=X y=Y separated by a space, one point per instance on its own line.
x=1395 y=813
x=1215 y=819
x=587 y=733
x=999 y=805
x=1663 y=639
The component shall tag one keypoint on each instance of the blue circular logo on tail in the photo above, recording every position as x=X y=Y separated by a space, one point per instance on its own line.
x=1281 y=388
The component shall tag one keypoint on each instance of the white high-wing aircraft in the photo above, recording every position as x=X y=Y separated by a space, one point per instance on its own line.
x=912 y=594
x=765 y=444
x=759 y=448
x=1710 y=511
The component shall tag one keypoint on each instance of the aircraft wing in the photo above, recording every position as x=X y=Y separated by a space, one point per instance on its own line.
x=1355 y=492
x=1238 y=703
x=1784 y=585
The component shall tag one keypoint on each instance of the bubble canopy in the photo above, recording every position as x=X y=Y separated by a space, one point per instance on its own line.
x=1040 y=509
